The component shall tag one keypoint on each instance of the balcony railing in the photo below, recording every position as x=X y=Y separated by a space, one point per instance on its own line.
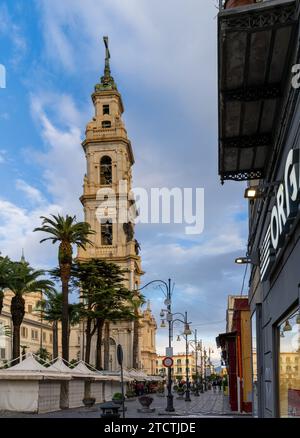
x=228 y=4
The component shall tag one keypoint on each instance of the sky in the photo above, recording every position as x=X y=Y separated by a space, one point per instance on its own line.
x=164 y=61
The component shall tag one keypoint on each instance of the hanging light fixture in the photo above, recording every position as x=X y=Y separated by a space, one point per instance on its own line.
x=187 y=330
x=282 y=334
x=298 y=318
x=178 y=338
x=163 y=324
x=287 y=327
x=162 y=314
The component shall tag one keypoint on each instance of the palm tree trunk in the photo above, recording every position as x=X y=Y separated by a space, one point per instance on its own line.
x=17 y=313
x=88 y=340
x=100 y=324
x=65 y=276
x=135 y=347
x=106 y=345
x=55 y=339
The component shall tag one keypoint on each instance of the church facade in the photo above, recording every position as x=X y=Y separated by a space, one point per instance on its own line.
x=107 y=201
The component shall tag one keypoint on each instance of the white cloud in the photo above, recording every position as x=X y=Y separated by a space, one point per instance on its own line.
x=63 y=160
x=33 y=194
x=16 y=232
x=14 y=33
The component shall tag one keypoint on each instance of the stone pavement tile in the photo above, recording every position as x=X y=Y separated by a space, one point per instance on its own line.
x=208 y=404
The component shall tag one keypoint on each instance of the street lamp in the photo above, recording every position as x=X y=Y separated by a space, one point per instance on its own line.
x=197 y=347
x=168 y=303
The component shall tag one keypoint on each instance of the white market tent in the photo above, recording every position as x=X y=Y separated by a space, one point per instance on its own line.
x=30 y=387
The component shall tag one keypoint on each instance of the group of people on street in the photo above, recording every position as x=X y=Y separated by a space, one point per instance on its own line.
x=142 y=388
x=217 y=384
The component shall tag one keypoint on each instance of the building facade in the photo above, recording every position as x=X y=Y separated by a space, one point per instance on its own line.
x=110 y=209
x=179 y=366
x=35 y=332
x=259 y=141
x=236 y=353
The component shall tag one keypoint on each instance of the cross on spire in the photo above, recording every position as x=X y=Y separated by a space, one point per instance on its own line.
x=107 y=81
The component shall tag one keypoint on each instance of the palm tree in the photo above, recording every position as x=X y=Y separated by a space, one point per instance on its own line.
x=23 y=279
x=105 y=299
x=5 y=272
x=67 y=232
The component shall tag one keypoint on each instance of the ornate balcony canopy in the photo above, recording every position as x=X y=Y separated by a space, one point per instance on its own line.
x=256 y=48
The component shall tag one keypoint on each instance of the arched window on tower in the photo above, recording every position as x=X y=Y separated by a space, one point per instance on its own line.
x=107 y=233
x=105 y=171
x=106 y=124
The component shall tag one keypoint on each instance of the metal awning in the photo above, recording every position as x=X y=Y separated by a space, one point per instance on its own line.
x=256 y=45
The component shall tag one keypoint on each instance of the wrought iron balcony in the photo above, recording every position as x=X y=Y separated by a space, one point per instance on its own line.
x=256 y=45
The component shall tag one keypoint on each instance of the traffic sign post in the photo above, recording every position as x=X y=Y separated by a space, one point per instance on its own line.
x=120 y=361
x=167 y=362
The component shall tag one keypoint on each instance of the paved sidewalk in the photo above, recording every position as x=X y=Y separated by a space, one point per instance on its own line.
x=208 y=404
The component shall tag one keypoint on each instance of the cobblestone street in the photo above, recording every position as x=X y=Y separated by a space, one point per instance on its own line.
x=208 y=404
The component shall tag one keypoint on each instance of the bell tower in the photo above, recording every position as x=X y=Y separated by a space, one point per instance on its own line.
x=109 y=159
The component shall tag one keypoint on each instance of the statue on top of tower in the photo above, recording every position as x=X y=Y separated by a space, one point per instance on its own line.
x=107 y=81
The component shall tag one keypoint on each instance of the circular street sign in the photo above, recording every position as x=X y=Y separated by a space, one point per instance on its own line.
x=168 y=362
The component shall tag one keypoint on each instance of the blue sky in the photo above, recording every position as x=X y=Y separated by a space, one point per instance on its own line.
x=164 y=60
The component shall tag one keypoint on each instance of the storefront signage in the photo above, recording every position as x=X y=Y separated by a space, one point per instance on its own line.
x=283 y=213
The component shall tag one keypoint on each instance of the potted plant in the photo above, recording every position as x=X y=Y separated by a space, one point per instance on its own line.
x=130 y=394
x=89 y=402
x=146 y=402
x=161 y=390
x=117 y=398
x=180 y=392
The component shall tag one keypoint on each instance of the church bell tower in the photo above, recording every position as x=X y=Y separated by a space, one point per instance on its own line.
x=109 y=159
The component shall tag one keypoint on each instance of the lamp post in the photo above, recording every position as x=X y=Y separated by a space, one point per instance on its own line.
x=204 y=360
x=197 y=347
x=168 y=303
x=186 y=333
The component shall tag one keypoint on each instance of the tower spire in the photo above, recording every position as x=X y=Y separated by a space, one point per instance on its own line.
x=23 y=257
x=107 y=81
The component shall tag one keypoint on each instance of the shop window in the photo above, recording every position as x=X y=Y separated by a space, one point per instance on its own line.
x=2 y=354
x=105 y=171
x=105 y=109
x=44 y=336
x=51 y=337
x=289 y=376
x=29 y=308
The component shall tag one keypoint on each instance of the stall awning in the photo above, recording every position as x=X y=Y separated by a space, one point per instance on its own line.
x=256 y=45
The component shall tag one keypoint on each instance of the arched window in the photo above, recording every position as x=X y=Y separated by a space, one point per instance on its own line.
x=106 y=124
x=105 y=171
x=106 y=233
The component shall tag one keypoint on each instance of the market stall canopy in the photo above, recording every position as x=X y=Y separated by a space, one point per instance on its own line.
x=31 y=369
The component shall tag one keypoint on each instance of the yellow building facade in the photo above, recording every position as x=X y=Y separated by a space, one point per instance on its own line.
x=179 y=365
x=35 y=332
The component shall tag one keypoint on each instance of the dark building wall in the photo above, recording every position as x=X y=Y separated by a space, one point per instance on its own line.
x=278 y=295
